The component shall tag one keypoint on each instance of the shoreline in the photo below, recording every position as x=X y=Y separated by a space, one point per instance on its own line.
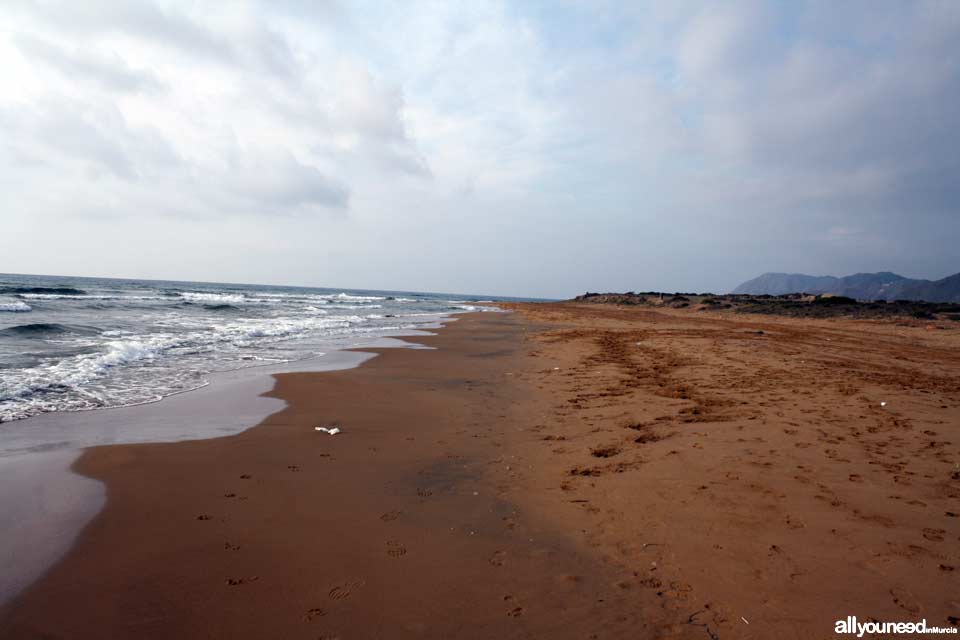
x=47 y=504
x=562 y=471
x=389 y=529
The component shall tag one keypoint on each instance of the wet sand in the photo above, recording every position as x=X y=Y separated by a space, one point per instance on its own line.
x=567 y=471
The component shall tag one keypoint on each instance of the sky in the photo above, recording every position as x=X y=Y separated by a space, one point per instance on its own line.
x=525 y=148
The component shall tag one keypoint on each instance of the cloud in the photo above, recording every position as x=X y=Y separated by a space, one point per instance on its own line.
x=141 y=21
x=65 y=135
x=681 y=145
x=110 y=71
x=875 y=101
x=284 y=185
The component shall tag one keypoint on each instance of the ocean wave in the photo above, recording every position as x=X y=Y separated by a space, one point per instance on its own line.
x=221 y=307
x=228 y=298
x=238 y=299
x=67 y=291
x=38 y=330
x=73 y=374
x=16 y=306
x=245 y=334
x=78 y=370
x=155 y=340
x=354 y=306
x=83 y=296
x=351 y=298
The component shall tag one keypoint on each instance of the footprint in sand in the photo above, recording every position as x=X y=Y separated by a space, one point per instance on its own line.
x=906 y=601
x=313 y=614
x=424 y=493
x=498 y=558
x=245 y=476
x=342 y=591
x=651 y=583
x=516 y=612
x=935 y=535
x=235 y=582
x=293 y=467
x=395 y=549
x=679 y=590
x=229 y=495
x=203 y=516
x=390 y=516
x=231 y=547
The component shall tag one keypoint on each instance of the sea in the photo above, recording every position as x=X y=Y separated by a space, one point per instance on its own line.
x=75 y=344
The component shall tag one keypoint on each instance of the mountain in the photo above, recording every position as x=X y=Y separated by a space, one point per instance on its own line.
x=862 y=286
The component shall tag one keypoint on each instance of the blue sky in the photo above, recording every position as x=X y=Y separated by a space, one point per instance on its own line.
x=512 y=148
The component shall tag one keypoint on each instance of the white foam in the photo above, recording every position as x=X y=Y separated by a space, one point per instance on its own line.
x=23 y=394
x=355 y=306
x=16 y=306
x=472 y=307
x=347 y=296
x=223 y=298
x=79 y=370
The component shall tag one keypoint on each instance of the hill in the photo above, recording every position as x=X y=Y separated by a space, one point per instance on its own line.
x=861 y=286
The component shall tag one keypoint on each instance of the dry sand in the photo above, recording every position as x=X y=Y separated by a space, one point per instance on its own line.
x=566 y=471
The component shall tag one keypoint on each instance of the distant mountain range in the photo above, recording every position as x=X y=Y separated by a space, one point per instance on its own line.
x=862 y=286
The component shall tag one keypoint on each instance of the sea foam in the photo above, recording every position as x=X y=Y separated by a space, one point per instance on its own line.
x=16 y=306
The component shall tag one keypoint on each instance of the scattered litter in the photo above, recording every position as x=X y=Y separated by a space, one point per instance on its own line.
x=745 y=620
x=332 y=430
x=556 y=368
x=883 y=404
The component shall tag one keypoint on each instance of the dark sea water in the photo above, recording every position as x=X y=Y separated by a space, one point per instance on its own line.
x=69 y=344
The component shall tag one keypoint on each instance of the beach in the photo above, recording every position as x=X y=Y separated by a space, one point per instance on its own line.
x=569 y=471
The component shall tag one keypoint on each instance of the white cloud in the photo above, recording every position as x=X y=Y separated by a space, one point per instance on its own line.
x=478 y=146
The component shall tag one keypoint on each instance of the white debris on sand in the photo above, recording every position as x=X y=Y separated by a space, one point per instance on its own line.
x=332 y=430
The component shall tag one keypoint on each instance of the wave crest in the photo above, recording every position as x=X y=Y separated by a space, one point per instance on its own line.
x=16 y=306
